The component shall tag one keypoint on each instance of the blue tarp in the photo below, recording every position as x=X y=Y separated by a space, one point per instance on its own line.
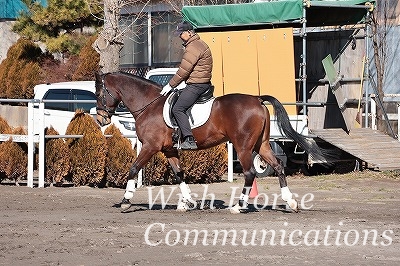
x=10 y=9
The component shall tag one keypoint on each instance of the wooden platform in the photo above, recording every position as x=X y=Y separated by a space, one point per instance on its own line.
x=379 y=151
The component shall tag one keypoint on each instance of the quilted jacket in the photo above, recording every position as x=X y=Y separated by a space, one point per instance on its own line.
x=196 y=65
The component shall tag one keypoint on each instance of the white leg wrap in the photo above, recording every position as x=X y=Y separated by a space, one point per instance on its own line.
x=130 y=189
x=185 y=190
x=244 y=197
x=286 y=194
x=182 y=206
x=237 y=208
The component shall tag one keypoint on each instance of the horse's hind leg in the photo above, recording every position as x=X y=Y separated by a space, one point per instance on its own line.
x=249 y=175
x=268 y=155
x=185 y=202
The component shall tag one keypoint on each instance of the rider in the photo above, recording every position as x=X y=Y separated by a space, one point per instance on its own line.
x=195 y=69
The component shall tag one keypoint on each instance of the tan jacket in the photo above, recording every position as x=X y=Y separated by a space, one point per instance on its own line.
x=196 y=65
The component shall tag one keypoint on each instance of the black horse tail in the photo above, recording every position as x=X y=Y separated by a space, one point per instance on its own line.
x=308 y=144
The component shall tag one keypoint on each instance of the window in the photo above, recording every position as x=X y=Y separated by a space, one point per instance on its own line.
x=83 y=95
x=161 y=79
x=59 y=94
x=135 y=46
x=166 y=47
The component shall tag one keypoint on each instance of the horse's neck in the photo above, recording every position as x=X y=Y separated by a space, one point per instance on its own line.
x=139 y=99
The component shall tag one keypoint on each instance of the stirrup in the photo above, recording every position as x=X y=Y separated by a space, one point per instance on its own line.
x=176 y=138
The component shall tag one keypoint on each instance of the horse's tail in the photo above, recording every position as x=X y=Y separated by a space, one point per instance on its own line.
x=285 y=128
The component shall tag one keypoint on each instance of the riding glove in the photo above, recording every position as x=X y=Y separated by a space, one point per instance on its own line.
x=167 y=88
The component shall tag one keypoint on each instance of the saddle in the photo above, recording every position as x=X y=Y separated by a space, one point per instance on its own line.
x=198 y=113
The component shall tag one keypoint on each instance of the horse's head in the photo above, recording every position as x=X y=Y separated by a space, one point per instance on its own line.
x=107 y=101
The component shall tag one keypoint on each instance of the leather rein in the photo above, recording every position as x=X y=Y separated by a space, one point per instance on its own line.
x=111 y=111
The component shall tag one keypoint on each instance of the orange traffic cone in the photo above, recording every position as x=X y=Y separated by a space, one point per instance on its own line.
x=254 y=190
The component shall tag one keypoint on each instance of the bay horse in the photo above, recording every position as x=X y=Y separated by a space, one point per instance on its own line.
x=241 y=119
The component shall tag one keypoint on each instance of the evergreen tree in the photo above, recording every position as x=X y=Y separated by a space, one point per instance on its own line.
x=60 y=24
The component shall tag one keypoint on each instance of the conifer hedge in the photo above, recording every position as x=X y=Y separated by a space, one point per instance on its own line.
x=88 y=61
x=97 y=161
x=204 y=166
x=20 y=71
x=57 y=158
x=88 y=153
x=13 y=155
x=157 y=172
x=120 y=157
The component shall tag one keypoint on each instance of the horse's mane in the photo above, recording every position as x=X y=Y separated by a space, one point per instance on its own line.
x=141 y=79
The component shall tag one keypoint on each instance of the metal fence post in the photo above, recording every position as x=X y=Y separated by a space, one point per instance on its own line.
x=31 y=146
x=41 y=145
x=373 y=114
x=230 y=162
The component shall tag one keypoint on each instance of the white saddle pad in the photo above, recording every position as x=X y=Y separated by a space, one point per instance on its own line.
x=198 y=113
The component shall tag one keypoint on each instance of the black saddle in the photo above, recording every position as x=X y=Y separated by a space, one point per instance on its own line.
x=203 y=98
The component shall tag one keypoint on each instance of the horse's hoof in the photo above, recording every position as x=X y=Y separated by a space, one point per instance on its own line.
x=293 y=205
x=182 y=207
x=235 y=209
x=238 y=209
x=125 y=205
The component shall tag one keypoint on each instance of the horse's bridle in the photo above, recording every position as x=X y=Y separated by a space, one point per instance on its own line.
x=111 y=111
x=105 y=91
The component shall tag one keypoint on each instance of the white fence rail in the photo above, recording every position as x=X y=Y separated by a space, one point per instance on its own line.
x=31 y=138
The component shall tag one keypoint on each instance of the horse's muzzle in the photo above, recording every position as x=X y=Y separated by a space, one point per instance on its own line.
x=103 y=118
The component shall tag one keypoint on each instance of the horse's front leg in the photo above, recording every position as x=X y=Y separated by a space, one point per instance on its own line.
x=143 y=157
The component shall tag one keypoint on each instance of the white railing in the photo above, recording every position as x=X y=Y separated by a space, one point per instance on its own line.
x=31 y=138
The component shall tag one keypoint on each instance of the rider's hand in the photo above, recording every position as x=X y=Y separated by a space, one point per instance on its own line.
x=167 y=88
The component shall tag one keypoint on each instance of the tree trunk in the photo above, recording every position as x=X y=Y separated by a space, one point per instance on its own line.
x=110 y=40
x=379 y=32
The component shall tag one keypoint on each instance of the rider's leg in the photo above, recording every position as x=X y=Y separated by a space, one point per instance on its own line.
x=187 y=98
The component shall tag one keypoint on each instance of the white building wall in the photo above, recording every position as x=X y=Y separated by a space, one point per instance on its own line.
x=7 y=37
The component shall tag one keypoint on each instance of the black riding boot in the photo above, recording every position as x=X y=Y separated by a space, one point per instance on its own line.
x=189 y=143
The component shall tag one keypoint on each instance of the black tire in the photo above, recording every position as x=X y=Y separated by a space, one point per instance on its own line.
x=262 y=168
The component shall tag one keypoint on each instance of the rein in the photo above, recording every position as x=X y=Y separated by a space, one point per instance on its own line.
x=111 y=112
x=141 y=110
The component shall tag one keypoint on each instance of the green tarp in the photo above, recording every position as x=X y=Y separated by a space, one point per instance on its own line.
x=275 y=12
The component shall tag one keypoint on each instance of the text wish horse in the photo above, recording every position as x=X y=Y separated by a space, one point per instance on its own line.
x=242 y=119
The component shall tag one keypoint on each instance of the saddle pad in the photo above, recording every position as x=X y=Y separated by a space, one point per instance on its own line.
x=198 y=113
